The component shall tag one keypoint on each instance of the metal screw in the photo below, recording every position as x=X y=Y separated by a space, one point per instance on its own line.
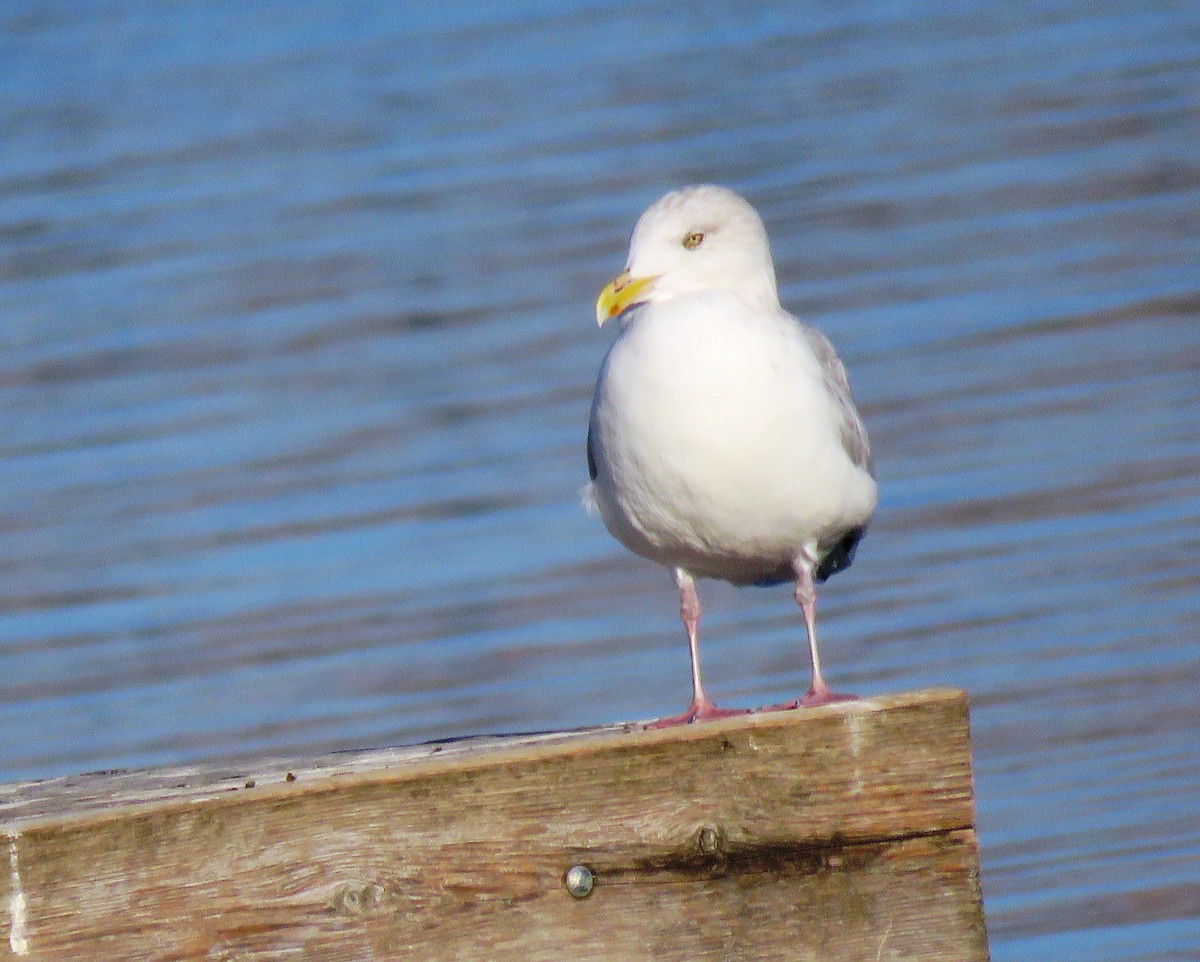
x=709 y=840
x=579 y=881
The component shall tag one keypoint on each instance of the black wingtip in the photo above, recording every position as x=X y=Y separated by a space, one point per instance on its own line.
x=842 y=555
x=592 y=472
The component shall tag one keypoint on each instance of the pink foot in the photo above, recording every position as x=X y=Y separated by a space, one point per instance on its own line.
x=813 y=698
x=697 y=712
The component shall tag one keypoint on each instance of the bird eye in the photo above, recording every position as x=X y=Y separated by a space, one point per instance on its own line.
x=692 y=241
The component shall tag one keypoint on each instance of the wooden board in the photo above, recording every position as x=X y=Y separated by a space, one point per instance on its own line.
x=837 y=833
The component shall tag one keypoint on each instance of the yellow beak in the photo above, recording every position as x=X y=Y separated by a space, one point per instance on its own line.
x=621 y=292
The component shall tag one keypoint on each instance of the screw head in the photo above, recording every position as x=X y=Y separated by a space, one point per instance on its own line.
x=579 y=881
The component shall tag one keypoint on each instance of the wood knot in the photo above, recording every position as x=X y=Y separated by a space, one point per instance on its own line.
x=356 y=898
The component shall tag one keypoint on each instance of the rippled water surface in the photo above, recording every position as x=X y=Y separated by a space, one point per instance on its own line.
x=297 y=351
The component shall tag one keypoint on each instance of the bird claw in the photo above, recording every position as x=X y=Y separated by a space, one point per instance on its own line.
x=697 y=712
x=813 y=698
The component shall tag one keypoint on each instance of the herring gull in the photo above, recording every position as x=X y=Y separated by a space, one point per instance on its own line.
x=723 y=440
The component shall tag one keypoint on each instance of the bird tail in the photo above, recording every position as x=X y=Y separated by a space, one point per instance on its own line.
x=842 y=555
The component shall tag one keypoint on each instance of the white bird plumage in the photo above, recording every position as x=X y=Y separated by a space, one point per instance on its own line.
x=723 y=440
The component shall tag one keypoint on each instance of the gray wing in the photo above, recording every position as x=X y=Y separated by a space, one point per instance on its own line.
x=854 y=435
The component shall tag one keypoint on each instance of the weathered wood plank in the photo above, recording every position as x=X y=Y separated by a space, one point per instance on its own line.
x=836 y=833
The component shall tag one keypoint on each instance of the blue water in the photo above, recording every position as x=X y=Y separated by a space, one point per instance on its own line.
x=296 y=353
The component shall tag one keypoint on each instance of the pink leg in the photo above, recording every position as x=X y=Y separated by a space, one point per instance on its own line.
x=818 y=693
x=701 y=708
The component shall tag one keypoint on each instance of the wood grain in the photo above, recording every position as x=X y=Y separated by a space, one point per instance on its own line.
x=836 y=833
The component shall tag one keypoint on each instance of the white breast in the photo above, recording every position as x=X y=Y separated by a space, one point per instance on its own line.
x=717 y=445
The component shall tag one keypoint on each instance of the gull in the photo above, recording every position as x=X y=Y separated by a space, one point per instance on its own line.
x=723 y=440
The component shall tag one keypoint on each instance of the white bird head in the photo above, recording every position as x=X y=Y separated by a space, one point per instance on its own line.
x=694 y=239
